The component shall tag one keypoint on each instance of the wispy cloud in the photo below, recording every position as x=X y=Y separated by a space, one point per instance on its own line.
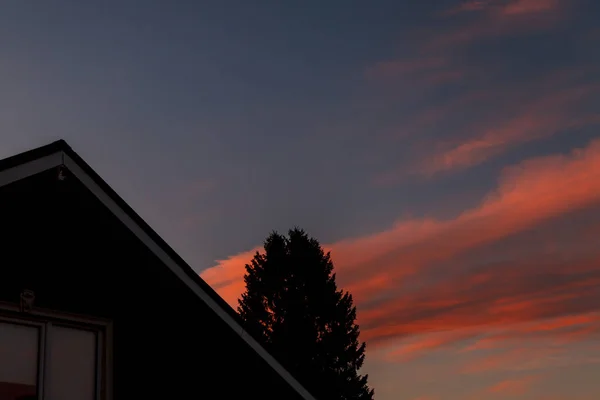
x=491 y=112
x=468 y=6
x=435 y=62
x=510 y=347
x=514 y=386
x=541 y=118
x=427 y=276
x=501 y=7
x=497 y=18
x=499 y=287
x=481 y=125
x=520 y=7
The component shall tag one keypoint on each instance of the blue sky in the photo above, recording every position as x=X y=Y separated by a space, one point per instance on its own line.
x=365 y=123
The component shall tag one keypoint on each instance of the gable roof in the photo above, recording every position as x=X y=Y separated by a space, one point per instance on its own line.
x=58 y=154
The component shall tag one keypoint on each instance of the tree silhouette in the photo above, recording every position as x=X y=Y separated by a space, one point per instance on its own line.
x=293 y=306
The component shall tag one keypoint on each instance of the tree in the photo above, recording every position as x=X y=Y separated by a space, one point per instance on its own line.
x=293 y=307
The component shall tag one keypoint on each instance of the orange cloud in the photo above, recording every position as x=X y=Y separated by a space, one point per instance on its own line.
x=558 y=331
x=542 y=118
x=517 y=359
x=435 y=62
x=516 y=295
x=514 y=7
x=514 y=386
x=495 y=18
x=418 y=345
x=555 y=103
x=411 y=279
x=529 y=357
x=526 y=195
x=554 y=333
x=227 y=277
x=520 y=7
x=510 y=8
x=566 y=325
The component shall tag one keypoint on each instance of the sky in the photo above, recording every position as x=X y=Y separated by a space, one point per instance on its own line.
x=446 y=152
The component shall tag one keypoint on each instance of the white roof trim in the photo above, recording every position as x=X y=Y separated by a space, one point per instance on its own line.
x=61 y=158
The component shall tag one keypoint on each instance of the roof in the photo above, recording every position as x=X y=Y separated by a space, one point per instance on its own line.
x=59 y=153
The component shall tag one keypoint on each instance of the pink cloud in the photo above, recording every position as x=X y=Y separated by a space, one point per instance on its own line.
x=416 y=346
x=383 y=269
x=522 y=129
x=227 y=277
x=520 y=7
x=514 y=386
x=495 y=18
x=502 y=8
x=554 y=108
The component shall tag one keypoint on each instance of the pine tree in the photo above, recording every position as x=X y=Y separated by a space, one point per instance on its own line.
x=293 y=306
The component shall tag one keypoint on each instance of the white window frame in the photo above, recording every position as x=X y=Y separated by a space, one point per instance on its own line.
x=44 y=320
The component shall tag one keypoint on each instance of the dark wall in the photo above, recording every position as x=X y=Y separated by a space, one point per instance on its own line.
x=59 y=241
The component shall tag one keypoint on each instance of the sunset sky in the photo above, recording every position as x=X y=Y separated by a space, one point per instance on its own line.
x=446 y=152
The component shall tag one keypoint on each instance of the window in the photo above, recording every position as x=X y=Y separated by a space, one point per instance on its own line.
x=48 y=358
x=19 y=354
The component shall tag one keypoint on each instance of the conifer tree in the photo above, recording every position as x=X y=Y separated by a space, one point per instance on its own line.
x=293 y=307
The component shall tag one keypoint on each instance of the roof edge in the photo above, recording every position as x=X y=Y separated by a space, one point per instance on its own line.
x=60 y=153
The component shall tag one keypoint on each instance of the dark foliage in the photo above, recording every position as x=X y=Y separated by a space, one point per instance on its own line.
x=293 y=306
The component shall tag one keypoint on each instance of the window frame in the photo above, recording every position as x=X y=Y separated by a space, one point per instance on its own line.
x=44 y=320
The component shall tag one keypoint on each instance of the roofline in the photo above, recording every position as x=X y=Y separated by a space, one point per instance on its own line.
x=59 y=153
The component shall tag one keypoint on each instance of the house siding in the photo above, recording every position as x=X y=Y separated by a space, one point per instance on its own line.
x=59 y=241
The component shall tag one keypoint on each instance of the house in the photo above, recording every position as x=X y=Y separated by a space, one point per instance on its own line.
x=95 y=305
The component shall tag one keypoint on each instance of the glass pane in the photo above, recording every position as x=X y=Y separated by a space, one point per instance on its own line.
x=18 y=361
x=71 y=364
